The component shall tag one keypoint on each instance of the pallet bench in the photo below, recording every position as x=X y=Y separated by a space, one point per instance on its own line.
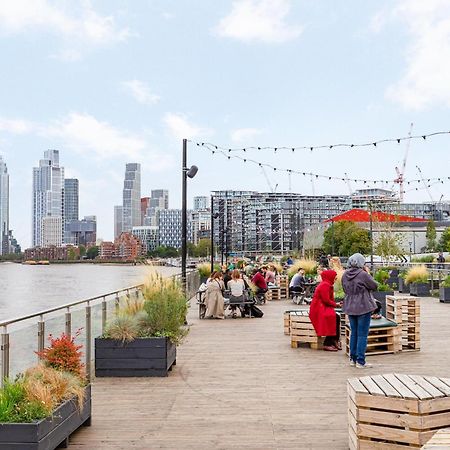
x=384 y=337
x=273 y=293
x=440 y=441
x=405 y=310
x=395 y=411
x=287 y=319
x=302 y=331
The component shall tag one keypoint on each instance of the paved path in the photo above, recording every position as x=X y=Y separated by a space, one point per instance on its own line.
x=239 y=385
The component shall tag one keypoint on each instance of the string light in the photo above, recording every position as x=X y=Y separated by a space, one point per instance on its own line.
x=322 y=176
x=374 y=144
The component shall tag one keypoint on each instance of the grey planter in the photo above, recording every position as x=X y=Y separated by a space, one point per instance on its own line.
x=402 y=286
x=444 y=294
x=393 y=282
x=48 y=433
x=143 y=357
x=419 y=289
x=381 y=297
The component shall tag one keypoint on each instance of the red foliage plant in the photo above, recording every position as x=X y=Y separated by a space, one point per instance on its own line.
x=63 y=354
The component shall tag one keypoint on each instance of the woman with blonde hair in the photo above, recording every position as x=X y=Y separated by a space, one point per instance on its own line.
x=214 y=298
x=237 y=286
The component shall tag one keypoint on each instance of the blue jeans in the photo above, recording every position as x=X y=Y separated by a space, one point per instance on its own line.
x=359 y=326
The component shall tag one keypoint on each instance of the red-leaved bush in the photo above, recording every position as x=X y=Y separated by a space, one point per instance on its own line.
x=63 y=354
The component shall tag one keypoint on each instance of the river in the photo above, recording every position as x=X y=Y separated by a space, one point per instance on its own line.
x=28 y=289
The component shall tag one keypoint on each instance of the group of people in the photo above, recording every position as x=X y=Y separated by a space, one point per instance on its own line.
x=358 y=304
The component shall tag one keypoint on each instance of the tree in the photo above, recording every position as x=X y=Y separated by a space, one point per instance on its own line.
x=203 y=248
x=388 y=245
x=348 y=238
x=71 y=254
x=444 y=241
x=82 y=249
x=164 y=252
x=431 y=235
x=92 y=252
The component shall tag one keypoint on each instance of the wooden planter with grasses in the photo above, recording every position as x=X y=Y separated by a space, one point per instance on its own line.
x=48 y=433
x=142 y=357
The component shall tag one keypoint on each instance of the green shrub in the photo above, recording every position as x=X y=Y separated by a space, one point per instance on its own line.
x=446 y=282
x=417 y=274
x=383 y=287
x=204 y=270
x=339 y=294
x=423 y=259
x=381 y=275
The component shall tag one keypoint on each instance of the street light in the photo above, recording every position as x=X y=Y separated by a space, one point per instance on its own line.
x=213 y=216
x=187 y=172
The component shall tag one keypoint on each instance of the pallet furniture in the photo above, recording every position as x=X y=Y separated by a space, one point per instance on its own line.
x=405 y=310
x=283 y=282
x=302 y=331
x=273 y=293
x=384 y=337
x=440 y=441
x=287 y=319
x=396 y=412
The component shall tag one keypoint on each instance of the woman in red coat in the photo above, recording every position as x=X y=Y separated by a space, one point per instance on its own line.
x=324 y=318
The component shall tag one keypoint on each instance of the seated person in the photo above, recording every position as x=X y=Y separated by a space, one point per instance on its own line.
x=297 y=284
x=227 y=278
x=326 y=321
x=213 y=297
x=259 y=281
x=237 y=286
x=376 y=315
x=270 y=275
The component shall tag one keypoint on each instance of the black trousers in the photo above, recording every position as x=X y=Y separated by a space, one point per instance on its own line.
x=332 y=340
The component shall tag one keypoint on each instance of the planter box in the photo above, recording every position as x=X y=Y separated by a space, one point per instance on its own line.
x=144 y=357
x=48 y=433
x=444 y=294
x=402 y=286
x=419 y=289
x=393 y=282
x=381 y=297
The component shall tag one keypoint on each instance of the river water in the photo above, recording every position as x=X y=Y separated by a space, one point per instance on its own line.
x=28 y=289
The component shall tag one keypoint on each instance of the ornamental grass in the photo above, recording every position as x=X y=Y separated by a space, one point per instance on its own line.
x=309 y=266
x=204 y=269
x=417 y=274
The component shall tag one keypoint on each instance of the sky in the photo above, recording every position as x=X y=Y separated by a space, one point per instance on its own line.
x=112 y=81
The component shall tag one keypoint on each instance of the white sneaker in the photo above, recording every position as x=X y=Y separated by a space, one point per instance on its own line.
x=363 y=366
x=352 y=363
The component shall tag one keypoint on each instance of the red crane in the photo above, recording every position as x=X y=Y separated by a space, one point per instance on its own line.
x=401 y=174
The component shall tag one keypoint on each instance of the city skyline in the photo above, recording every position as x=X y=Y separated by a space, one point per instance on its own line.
x=236 y=73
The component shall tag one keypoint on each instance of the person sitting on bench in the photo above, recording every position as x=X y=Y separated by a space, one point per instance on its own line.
x=236 y=286
x=297 y=284
x=259 y=281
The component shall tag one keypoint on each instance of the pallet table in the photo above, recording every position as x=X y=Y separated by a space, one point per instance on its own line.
x=287 y=319
x=384 y=337
x=405 y=310
x=273 y=293
x=396 y=412
x=302 y=331
x=440 y=441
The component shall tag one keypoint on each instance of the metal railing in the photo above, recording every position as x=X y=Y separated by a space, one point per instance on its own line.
x=85 y=306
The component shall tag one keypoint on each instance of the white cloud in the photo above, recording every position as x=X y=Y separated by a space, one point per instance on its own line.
x=244 y=134
x=141 y=92
x=16 y=126
x=76 y=22
x=425 y=81
x=259 y=20
x=180 y=128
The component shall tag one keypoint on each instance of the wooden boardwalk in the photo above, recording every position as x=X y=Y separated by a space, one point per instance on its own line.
x=239 y=385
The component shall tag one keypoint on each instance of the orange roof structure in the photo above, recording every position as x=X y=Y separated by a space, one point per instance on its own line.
x=361 y=215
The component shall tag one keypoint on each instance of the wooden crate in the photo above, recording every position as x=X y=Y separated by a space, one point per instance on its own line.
x=440 y=441
x=396 y=412
x=302 y=331
x=405 y=310
x=381 y=340
x=283 y=282
x=273 y=294
x=287 y=319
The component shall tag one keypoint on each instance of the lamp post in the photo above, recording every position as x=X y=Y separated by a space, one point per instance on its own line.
x=371 y=237
x=186 y=172
x=213 y=216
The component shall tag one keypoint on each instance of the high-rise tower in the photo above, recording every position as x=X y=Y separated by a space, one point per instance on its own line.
x=4 y=208
x=131 y=206
x=71 y=202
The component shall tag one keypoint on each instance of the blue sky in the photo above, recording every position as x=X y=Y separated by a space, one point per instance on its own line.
x=114 y=81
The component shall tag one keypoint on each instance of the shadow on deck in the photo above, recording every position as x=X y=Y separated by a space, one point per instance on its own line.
x=239 y=385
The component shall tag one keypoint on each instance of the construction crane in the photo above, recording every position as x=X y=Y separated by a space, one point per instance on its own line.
x=312 y=185
x=272 y=189
x=401 y=173
x=425 y=185
x=348 y=184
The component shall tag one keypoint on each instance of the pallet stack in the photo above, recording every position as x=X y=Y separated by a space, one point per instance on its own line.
x=381 y=340
x=396 y=411
x=287 y=319
x=440 y=441
x=405 y=310
x=302 y=331
x=283 y=282
x=273 y=294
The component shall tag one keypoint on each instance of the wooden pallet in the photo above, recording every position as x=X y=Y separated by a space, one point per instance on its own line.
x=302 y=331
x=405 y=310
x=287 y=319
x=396 y=412
x=273 y=294
x=440 y=441
x=381 y=340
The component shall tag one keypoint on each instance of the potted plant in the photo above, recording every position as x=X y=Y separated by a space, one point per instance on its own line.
x=417 y=279
x=403 y=287
x=204 y=270
x=393 y=279
x=140 y=341
x=444 y=290
x=44 y=406
x=381 y=277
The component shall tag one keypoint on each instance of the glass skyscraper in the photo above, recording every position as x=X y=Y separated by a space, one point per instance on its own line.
x=131 y=206
x=4 y=208
x=71 y=196
x=48 y=199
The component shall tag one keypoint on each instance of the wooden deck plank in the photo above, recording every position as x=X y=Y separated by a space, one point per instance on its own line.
x=239 y=385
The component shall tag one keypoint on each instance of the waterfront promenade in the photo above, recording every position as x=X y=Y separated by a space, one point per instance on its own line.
x=239 y=385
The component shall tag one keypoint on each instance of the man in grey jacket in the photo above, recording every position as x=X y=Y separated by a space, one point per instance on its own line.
x=358 y=305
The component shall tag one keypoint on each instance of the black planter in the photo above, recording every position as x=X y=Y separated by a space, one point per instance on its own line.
x=143 y=357
x=444 y=294
x=402 y=286
x=48 y=433
x=393 y=282
x=381 y=297
x=419 y=289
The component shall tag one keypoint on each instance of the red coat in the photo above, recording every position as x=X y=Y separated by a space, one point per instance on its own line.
x=321 y=312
